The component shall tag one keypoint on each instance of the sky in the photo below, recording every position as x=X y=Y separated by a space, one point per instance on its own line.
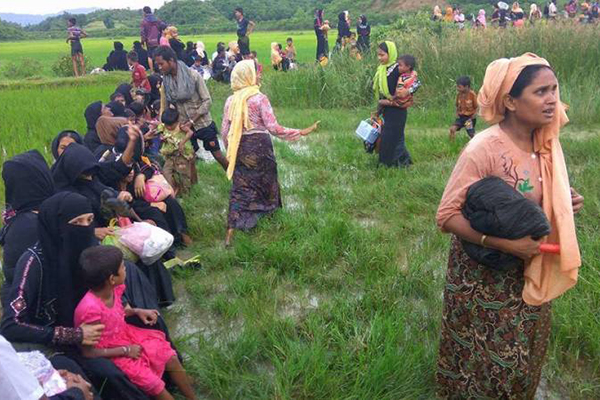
x=54 y=6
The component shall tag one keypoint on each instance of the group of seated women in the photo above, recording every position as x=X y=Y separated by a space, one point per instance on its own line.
x=54 y=214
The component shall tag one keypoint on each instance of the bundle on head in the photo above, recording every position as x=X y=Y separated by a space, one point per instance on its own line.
x=495 y=208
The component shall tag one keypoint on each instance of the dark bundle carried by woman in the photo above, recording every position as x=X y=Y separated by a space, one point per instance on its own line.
x=495 y=208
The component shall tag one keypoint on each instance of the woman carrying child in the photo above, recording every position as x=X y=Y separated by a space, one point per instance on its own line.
x=496 y=321
x=394 y=84
x=248 y=120
x=142 y=354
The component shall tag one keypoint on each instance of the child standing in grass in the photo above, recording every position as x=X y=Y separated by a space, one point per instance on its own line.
x=180 y=165
x=466 y=108
x=142 y=354
x=138 y=74
x=75 y=34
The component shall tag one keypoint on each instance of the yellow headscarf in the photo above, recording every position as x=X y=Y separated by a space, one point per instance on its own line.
x=243 y=83
x=449 y=16
x=275 y=56
x=380 y=83
x=547 y=276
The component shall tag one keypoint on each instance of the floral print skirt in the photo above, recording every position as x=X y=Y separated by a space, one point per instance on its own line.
x=492 y=344
x=255 y=190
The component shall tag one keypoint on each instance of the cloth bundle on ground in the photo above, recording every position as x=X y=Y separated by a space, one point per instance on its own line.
x=494 y=208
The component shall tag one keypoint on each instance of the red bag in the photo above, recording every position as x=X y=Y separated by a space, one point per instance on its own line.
x=157 y=189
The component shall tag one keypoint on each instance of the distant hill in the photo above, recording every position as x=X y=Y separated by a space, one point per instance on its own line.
x=32 y=19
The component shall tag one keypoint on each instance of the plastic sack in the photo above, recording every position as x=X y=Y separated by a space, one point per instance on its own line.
x=42 y=369
x=113 y=240
x=368 y=131
x=147 y=241
x=157 y=189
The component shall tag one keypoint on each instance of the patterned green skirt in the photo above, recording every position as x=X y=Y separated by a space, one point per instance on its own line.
x=492 y=344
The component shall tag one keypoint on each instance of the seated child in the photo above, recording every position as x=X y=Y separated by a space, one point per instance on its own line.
x=139 y=79
x=466 y=108
x=177 y=150
x=142 y=354
x=408 y=84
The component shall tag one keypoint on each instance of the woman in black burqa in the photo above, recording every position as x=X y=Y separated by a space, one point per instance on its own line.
x=27 y=183
x=47 y=286
x=91 y=114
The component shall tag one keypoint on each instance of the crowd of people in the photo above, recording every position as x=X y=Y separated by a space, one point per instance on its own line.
x=504 y=15
x=355 y=43
x=92 y=310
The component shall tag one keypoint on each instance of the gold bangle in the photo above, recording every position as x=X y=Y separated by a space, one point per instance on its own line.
x=482 y=240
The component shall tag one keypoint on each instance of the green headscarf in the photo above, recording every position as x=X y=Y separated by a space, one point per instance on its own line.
x=380 y=84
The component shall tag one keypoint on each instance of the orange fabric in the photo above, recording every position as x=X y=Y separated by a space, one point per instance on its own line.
x=466 y=104
x=548 y=275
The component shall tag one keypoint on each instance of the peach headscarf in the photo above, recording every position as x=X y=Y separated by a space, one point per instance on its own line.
x=548 y=275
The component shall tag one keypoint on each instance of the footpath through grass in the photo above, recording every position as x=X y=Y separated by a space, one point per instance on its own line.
x=338 y=295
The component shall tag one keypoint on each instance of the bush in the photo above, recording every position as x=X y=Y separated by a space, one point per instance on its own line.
x=22 y=68
x=63 y=67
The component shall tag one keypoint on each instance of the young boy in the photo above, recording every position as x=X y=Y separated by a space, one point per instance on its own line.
x=180 y=160
x=466 y=108
x=139 y=79
x=408 y=83
x=75 y=34
x=290 y=50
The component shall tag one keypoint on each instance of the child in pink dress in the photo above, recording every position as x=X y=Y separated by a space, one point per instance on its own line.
x=142 y=354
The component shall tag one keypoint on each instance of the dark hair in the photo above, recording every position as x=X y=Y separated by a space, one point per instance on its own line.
x=279 y=45
x=129 y=113
x=99 y=263
x=525 y=78
x=118 y=45
x=137 y=43
x=117 y=108
x=147 y=10
x=115 y=95
x=289 y=39
x=408 y=60
x=166 y=53
x=73 y=20
x=155 y=108
x=137 y=108
x=254 y=53
x=464 y=81
x=189 y=46
x=170 y=116
x=240 y=10
x=132 y=56
x=220 y=48
x=383 y=46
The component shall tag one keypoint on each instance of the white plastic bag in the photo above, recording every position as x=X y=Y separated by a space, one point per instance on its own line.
x=147 y=241
x=42 y=369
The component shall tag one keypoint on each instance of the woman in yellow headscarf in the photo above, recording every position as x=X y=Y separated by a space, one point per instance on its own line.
x=248 y=120
x=496 y=322
x=276 y=58
x=449 y=15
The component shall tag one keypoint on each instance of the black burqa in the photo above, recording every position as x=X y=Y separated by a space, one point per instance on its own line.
x=494 y=208
x=68 y=133
x=125 y=90
x=142 y=54
x=91 y=114
x=27 y=183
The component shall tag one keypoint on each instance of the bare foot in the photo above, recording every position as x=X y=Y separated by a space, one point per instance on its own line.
x=186 y=239
x=229 y=237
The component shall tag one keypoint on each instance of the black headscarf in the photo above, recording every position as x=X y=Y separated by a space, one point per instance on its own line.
x=27 y=181
x=92 y=113
x=56 y=141
x=62 y=244
x=125 y=90
x=122 y=141
x=154 y=80
x=117 y=108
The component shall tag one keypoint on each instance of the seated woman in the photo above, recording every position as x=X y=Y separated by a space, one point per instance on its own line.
x=92 y=113
x=221 y=71
x=252 y=165
x=47 y=287
x=27 y=183
x=117 y=59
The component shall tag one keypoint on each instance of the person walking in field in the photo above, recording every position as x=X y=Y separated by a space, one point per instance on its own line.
x=75 y=34
x=496 y=319
x=244 y=30
x=150 y=32
x=321 y=28
x=466 y=108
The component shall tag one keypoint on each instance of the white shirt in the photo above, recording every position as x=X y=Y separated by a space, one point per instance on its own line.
x=16 y=382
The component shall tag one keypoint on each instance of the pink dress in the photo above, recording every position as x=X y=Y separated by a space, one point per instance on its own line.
x=146 y=371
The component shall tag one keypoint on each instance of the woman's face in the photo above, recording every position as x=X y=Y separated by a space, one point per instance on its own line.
x=382 y=56
x=537 y=104
x=83 y=220
x=63 y=143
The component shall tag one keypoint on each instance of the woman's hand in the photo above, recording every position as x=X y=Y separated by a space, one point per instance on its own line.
x=525 y=248
x=91 y=334
x=134 y=351
x=101 y=233
x=76 y=381
x=149 y=317
x=577 y=201
x=125 y=196
x=140 y=185
x=310 y=129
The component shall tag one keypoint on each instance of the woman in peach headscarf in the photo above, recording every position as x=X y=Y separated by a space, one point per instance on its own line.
x=496 y=324
x=449 y=15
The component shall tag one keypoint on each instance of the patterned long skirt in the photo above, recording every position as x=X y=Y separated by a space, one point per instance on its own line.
x=255 y=190
x=492 y=344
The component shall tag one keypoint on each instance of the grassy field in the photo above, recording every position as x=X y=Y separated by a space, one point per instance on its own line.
x=339 y=294
x=97 y=49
